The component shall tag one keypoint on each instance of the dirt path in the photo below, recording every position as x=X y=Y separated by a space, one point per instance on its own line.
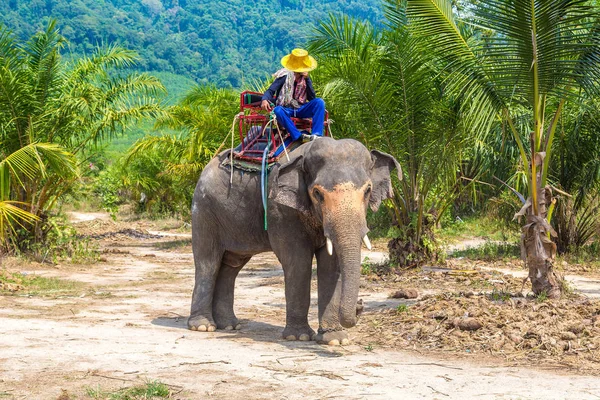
x=128 y=325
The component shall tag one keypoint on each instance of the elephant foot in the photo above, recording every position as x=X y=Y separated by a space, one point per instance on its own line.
x=229 y=322
x=202 y=324
x=304 y=333
x=333 y=338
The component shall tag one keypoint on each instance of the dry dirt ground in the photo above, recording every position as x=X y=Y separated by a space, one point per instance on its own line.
x=125 y=324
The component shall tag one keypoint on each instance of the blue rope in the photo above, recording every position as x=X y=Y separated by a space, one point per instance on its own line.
x=264 y=172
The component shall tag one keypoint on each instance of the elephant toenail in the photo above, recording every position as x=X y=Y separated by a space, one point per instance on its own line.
x=334 y=342
x=229 y=328
x=238 y=327
x=290 y=337
x=345 y=342
x=304 y=337
x=202 y=328
x=194 y=327
x=211 y=328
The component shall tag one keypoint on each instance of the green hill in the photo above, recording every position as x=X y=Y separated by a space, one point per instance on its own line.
x=219 y=41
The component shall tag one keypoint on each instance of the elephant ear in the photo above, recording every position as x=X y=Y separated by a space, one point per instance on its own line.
x=291 y=190
x=383 y=165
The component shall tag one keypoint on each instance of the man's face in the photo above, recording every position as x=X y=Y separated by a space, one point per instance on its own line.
x=299 y=75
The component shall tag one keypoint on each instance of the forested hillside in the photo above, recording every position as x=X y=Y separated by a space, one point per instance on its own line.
x=217 y=41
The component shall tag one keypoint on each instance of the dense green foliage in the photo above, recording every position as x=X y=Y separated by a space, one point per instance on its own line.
x=217 y=41
x=457 y=116
x=522 y=64
x=159 y=172
x=53 y=114
x=382 y=89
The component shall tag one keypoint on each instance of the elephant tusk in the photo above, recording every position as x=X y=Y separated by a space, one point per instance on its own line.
x=329 y=246
x=367 y=242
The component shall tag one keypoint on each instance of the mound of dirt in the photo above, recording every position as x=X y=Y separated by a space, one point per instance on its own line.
x=132 y=233
x=561 y=332
x=459 y=278
x=103 y=228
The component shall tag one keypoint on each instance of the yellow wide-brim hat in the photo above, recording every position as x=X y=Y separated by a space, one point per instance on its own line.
x=299 y=61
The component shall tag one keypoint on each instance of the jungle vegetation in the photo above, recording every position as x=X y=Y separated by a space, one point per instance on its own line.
x=53 y=114
x=220 y=42
x=490 y=106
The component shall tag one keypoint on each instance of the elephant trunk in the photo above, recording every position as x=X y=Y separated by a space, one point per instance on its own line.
x=346 y=242
x=345 y=225
x=349 y=262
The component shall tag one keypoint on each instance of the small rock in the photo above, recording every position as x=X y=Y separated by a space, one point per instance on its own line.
x=468 y=324
x=360 y=307
x=568 y=335
x=405 y=294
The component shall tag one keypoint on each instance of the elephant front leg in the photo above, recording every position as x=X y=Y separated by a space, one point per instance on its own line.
x=330 y=331
x=297 y=272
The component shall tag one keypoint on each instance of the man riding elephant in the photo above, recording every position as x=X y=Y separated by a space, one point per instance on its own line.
x=295 y=95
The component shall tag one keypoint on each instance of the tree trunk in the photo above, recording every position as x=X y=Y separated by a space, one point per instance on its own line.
x=537 y=249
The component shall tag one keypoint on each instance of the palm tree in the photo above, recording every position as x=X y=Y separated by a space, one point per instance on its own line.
x=525 y=61
x=381 y=88
x=203 y=119
x=29 y=162
x=63 y=109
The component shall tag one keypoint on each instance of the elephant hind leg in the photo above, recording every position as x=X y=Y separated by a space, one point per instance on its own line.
x=222 y=306
x=207 y=259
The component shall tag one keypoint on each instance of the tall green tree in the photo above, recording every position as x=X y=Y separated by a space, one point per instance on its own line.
x=528 y=59
x=60 y=110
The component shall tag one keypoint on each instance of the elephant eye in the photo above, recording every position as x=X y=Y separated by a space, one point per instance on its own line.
x=318 y=195
x=368 y=192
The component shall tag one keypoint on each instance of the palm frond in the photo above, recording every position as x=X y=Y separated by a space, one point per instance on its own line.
x=12 y=215
x=341 y=36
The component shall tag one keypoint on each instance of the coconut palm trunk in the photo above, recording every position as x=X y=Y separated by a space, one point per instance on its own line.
x=537 y=249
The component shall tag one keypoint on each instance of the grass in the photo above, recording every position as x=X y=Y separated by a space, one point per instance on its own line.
x=150 y=390
x=489 y=251
x=542 y=297
x=36 y=285
x=402 y=308
x=499 y=296
x=476 y=227
x=586 y=256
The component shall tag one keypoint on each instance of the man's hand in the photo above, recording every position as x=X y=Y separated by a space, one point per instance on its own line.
x=265 y=105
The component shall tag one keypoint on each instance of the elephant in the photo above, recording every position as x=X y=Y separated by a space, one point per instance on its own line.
x=316 y=206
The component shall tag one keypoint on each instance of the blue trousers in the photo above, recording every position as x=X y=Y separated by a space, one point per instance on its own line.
x=314 y=109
